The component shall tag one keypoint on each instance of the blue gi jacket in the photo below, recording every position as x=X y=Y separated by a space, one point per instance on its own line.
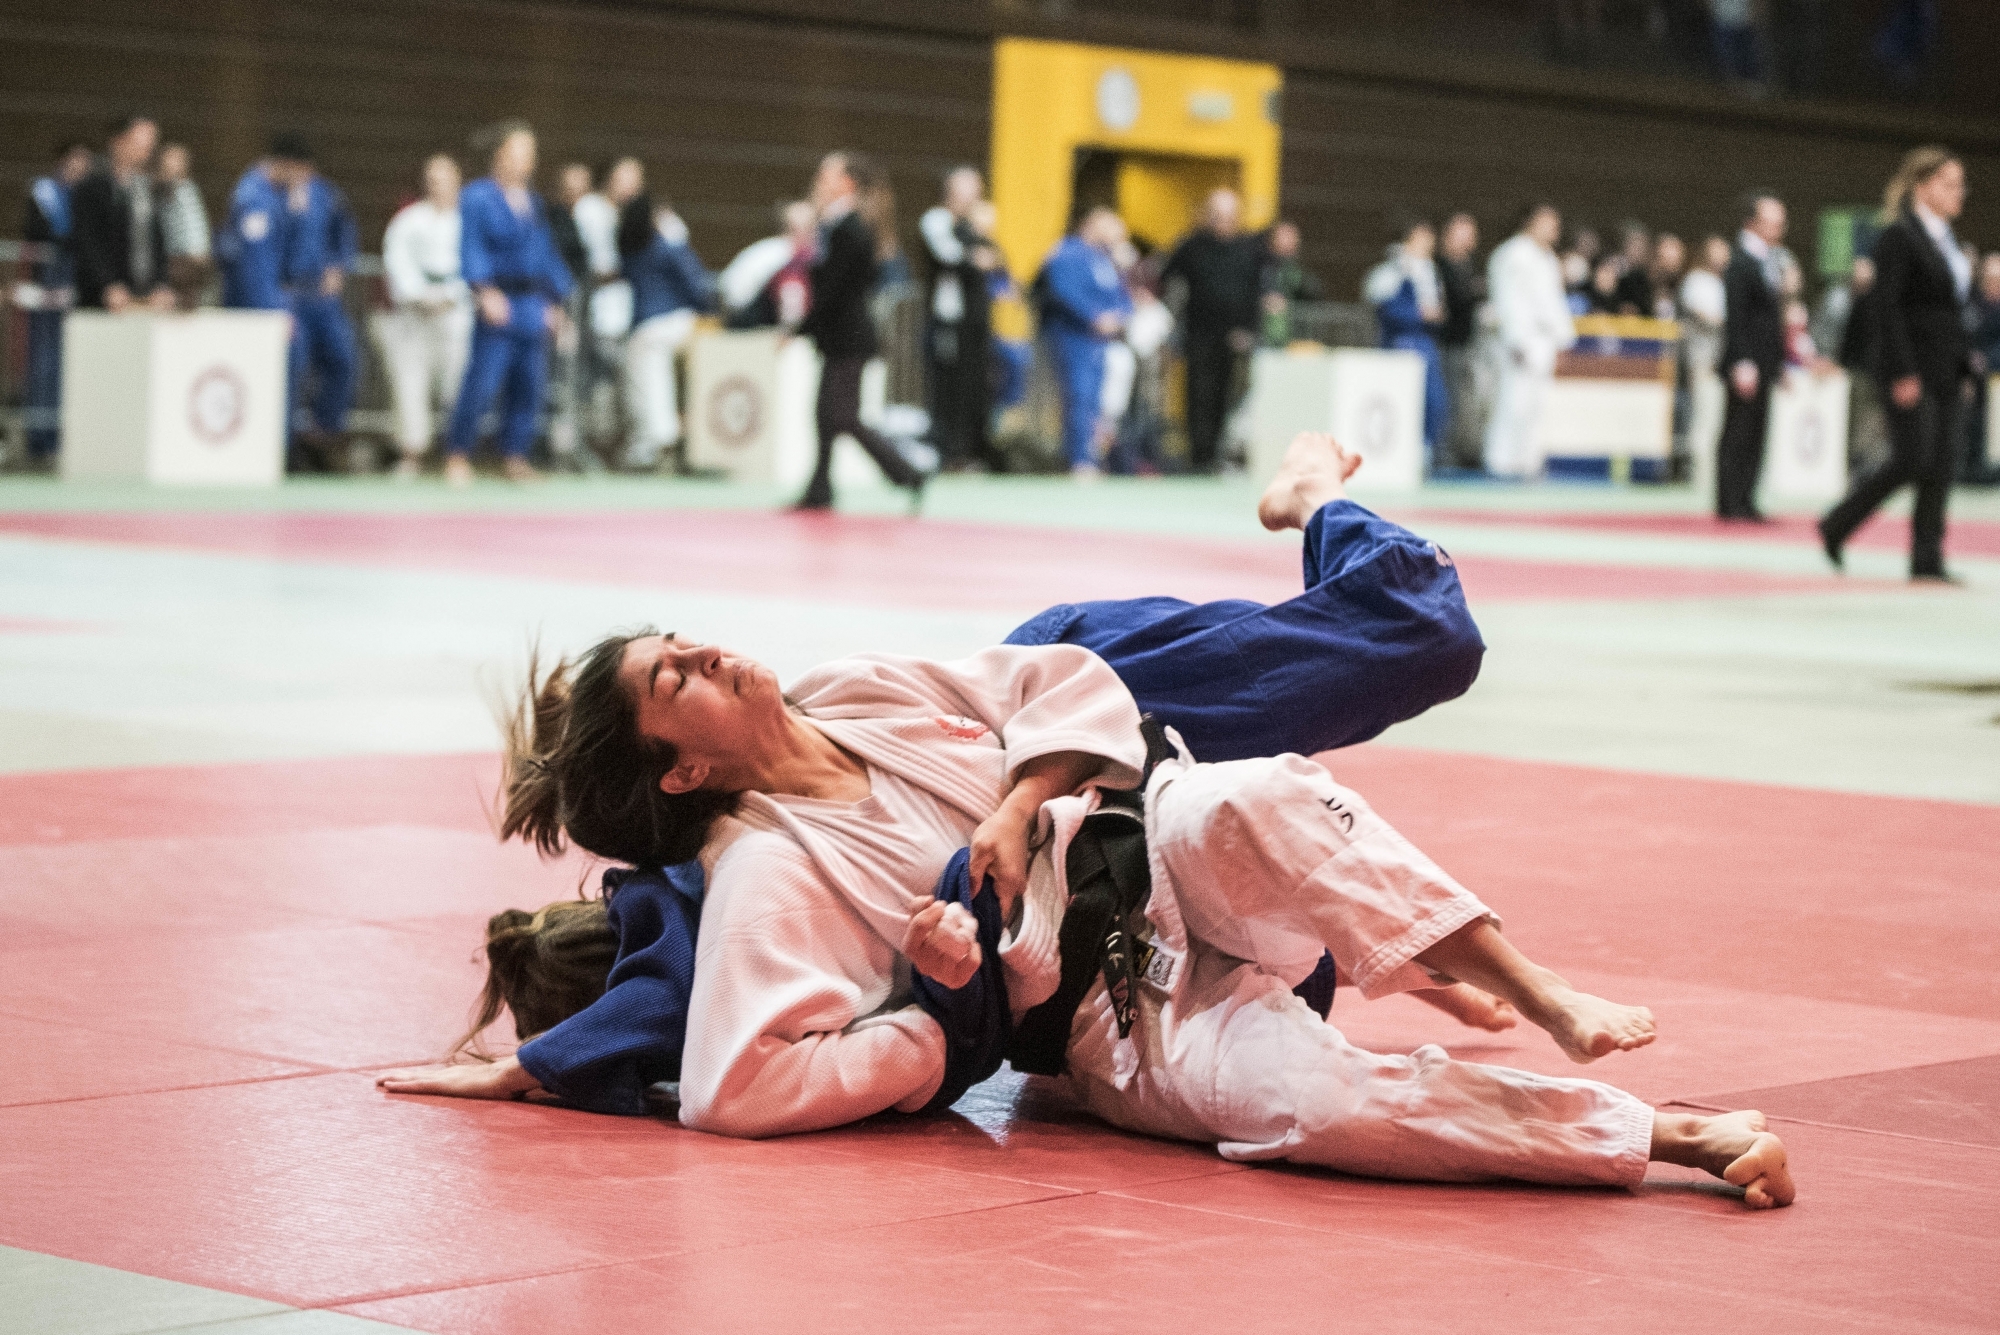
x=667 y=276
x=1402 y=317
x=49 y=224
x=499 y=248
x=1080 y=283
x=603 y=1058
x=270 y=254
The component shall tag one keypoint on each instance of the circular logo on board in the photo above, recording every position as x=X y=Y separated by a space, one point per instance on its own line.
x=735 y=411
x=1378 y=427
x=1118 y=99
x=215 y=404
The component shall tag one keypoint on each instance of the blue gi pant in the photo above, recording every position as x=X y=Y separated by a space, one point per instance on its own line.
x=512 y=364
x=42 y=403
x=1079 y=365
x=322 y=345
x=1437 y=398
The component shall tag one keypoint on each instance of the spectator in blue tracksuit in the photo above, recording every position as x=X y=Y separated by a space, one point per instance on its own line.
x=1083 y=306
x=47 y=293
x=508 y=257
x=1409 y=307
x=670 y=288
x=289 y=246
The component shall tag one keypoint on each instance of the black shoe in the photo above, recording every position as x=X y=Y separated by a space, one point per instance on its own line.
x=916 y=490
x=1937 y=577
x=810 y=505
x=1832 y=549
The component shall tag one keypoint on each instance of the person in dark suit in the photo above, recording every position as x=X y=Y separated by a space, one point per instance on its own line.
x=958 y=333
x=1753 y=354
x=839 y=324
x=1922 y=356
x=116 y=235
x=1222 y=266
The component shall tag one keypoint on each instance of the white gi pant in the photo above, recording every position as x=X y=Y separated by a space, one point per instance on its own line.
x=652 y=396
x=424 y=353
x=1271 y=861
x=1512 y=445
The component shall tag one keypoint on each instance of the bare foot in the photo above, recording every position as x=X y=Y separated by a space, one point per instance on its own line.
x=520 y=470
x=1588 y=1027
x=1470 y=1007
x=1736 y=1147
x=458 y=471
x=1315 y=471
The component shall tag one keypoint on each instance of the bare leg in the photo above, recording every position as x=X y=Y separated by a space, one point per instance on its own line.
x=1470 y=1007
x=1315 y=471
x=1584 y=1026
x=1736 y=1147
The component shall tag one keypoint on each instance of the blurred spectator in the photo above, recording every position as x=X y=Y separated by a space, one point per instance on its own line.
x=115 y=230
x=607 y=297
x=670 y=287
x=1602 y=294
x=1651 y=278
x=1984 y=323
x=288 y=246
x=1906 y=40
x=1703 y=312
x=839 y=323
x=572 y=184
x=958 y=322
x=427 y=332
x=1464 y=285
x=1579 y=265
x=1753 y=354
x=1739 y=42
x=1083 y=307
x=507 y=256
x=45 y=294
x=570 y=372
x=1923 y=358
x=1221 y=267
x=1856 y=307
x=1409 y=310
x=1525 y=279
x=1285 y=283
x=769 y=281
x=184 y=225
x=1132 y=421
x=1801 y=353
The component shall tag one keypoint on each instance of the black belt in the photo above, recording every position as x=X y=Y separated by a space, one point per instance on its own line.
x=517 y=287
x=1110 y=881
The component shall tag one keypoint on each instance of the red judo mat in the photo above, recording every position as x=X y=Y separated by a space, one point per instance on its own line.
x=199 y=966
x=859 y=560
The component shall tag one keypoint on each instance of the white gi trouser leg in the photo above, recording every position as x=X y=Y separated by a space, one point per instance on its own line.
x=424 y=353
x=1268 y=861
x=1512 y=447
x=1121 y=371
x=650 y=392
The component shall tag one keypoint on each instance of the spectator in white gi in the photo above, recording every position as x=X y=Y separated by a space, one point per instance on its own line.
x=424 y=338
x=1704 y=306
x=769 y=282
x=1532 y=310
x=670 y=288
x=597 y=217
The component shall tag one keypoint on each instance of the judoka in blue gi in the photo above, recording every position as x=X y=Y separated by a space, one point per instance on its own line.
x=1083 y=306
x=289 y=245
x=44 y=296
x=1380 y=634
x=1409 y=307
x=508 y=257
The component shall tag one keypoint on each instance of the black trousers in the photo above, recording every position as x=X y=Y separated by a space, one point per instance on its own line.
x=957 y=365
x=1211 y=365
x=1920 y=453
x=838 y=413
x=1739 y=457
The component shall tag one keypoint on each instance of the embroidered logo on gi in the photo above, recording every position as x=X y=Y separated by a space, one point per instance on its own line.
x=1443 y=557
x=1157 y=968
x=1341 y=813
x=964 y=729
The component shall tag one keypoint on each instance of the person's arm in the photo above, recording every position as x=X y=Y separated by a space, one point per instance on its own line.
x=92 y=205
x=407 y=281
x=696 y=280
x=940 y=232
x=1895 y=343
x=840 y=280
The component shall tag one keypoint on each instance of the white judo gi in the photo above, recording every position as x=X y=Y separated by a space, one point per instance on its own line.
x=801 y=1016
x=1526 y=291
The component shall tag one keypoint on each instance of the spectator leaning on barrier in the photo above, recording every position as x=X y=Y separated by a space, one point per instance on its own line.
x=1753 y=353
x=1285 y=283
x=44 y=294
x=958 y=324
x=184 y=225
x=1464 y=285
x=1221 y=267
x=1532 y=313
x=426 y=334
x=670 y=288
x=289 y=245
x=115 y=235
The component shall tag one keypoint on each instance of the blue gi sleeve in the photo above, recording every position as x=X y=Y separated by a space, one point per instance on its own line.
x=1401 y=314
x=603 y=1058
x=250 y=250
x=1071 y=288
x=475 y=251
x=976 y=1021
x=696 y=281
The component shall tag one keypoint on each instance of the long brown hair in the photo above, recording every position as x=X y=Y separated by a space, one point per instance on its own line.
x=1918 y=165
x=543 y=967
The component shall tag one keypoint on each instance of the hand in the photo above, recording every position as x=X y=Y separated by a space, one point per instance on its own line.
x=332 y=281
x=462 y=1080
x=942 y=942
x=1274 y=303
x=1108 y=324
x=160 y=299
x=556 y=318
x=117 y=297
x=1743 y=376
x=1907 y=392
x=494 y=307
x=1242 y=340
x=985 y=259
x=1000 y=850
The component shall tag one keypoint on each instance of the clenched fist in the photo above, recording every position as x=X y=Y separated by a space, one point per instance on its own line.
x=942 y=942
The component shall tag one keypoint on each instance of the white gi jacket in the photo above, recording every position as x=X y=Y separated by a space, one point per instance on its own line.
x=1526 y=290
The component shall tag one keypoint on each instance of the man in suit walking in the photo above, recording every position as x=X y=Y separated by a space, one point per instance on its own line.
x=1922 y=356
x=1753 y=354
x=839 y=324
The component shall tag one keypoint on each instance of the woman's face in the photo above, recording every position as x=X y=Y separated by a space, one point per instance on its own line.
x=1943 y=191
x=714 y=707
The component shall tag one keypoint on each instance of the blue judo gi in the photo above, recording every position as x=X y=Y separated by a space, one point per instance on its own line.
x=1380 y=634
x=1401 y=318
x=274 y=253
x=1079 y=283
x=517 y=254
x=48 y=224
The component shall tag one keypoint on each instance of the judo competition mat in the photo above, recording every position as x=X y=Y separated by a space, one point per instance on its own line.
x=246 y=765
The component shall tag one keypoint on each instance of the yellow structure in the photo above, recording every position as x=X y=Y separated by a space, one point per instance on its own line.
x=1148 y=133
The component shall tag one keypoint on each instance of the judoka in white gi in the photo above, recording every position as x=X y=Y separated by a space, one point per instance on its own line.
x=1525 y=281
x=825 y=818
x=427 y=335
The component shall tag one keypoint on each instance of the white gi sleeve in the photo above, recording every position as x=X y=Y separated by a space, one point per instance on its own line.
x=787 y=1026
x=407 y=280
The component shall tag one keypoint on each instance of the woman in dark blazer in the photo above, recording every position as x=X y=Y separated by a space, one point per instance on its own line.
x=1922 y=281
